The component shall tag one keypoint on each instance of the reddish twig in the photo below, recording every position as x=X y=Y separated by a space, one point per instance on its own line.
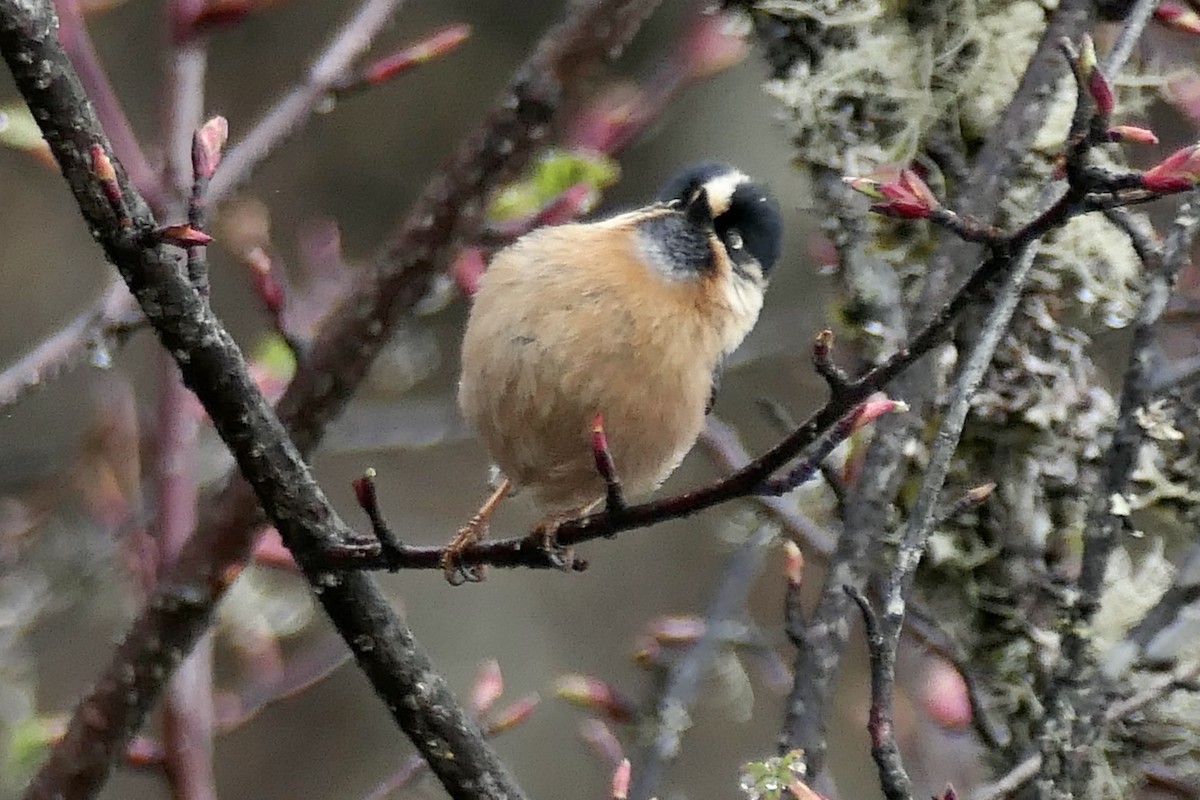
x=188 y=715
x=882 y=639
x=414 y=55
x=614 y=496
x=75 y=40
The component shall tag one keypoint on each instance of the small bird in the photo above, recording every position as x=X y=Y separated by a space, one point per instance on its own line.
x=626 y=319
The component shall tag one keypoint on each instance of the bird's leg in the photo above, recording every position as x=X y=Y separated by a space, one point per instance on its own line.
x=471 y=534
x=546 y=534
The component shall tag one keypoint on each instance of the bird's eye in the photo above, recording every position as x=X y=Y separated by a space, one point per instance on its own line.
x=734 y=240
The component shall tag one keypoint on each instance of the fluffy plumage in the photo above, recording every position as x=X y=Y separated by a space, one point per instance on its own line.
x=629 y=318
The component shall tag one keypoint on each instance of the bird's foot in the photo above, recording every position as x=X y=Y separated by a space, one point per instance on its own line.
x=457 y=573
x=546 y=536
x=469 y=535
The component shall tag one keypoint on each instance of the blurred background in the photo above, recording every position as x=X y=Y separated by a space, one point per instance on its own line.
x=65 y=588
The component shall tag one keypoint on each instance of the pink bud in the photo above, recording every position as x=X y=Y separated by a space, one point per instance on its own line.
x=599 y=437
x=266 y=282
x=647 y=651
x=207 y=144
x=1177 y=172
x=102 y=168
x=183 y=235
x=436 y=44
x=679 y=629
x=866 y=413
x=793 y=563
x=1178 y=16
x=364 y=490
x=620 y=780
x=1087 y=54
x=1131 y=133
x=595 y=695
x=467 y=270
x=1101 y=92
x=512 y=715
x=905 y=196
x=102 y=165
x=980 y=493
x=488 y=686
x=707 y=47
x=870 y=188
x=944 y=696
x=600 y=738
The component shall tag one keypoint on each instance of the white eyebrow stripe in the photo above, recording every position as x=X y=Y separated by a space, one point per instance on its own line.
x=721 y=188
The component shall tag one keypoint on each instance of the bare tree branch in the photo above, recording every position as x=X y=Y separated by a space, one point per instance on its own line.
x=92 y=334
x=823 y=639
x=682 y=686
x=180 y=611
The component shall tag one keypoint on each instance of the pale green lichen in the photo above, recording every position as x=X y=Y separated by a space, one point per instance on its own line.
x=772 y=778
x=1132 y=587
x=885 y=73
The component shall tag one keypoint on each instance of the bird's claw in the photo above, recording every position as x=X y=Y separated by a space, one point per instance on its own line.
x=457 y=573
x=557 y=556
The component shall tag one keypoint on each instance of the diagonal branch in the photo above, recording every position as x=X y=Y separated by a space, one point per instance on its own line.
x=214 y=368
x=181 y=608
x=294 y=108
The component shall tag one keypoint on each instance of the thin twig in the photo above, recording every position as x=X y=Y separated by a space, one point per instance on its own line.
x=62 y=350
x=823 y=639
x=1135 y=22
x=74 y=37
x=899 y=580
x=188 y=715
x=527 y=551
x=1100 y=532
x=882 y=638
x=1182 y=593
x=945 y=442
x=294 y=108
x=722 y=442
x=1076 y=694
x=1142 y=237
x=92 y=334
x=683 y=681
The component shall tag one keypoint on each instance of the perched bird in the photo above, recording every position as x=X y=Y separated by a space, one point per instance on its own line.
x=627 y=318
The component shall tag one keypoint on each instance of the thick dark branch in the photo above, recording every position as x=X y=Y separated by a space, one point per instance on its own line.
x=213 y=367
x=181 y=608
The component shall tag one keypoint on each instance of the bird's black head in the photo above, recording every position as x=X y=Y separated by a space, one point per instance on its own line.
x=744 y=214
